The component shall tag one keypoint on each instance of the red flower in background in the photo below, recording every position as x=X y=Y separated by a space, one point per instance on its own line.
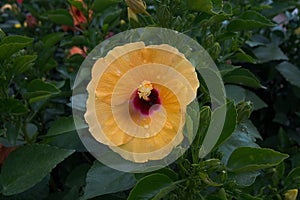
x=109 y=34
x=4 y=152
x=20 y=1
x=79 y=18
x=31 y=21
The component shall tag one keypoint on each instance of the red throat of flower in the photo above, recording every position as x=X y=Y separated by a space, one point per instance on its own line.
x=146 y=98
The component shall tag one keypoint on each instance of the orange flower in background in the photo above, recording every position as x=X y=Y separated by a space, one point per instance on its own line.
x=79 y=18
x=137 y=100
x=77 y=50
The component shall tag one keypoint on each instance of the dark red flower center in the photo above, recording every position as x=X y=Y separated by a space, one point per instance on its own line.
x=146 y=107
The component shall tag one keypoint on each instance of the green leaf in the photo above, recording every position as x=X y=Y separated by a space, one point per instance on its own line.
x=70 y=140
x=77 y=176
x=293 y=178
x=50 y=65
x=255 y=100
x=12 y=44
x=200 y=5
x=24 y=63
x=229 y=125
x=290 y=72
x=28 y=165
x=215 y=19
x=238 y=94
x=100 y=5
x=245 y=134
x=205 y=116
x=52 y=38
x=73 y=193
x=242 y=77
x=253 y=15
x=235 y=93
x=111 y=17
x=242 y=56
x=104 y=180
x=245 y=159
x=12 y=106
x=244 y=179
x=214 y=129
x=12 y=131
x=192 y=121
x=249 y=20
x=61 y=16
x=213 y=140
x=166 y=171
x=225 y=68
x=217 y=6
x=32 y=130
x=242 y=25
x=268 y=53
x=64 y=125
x=218 y=195
x=38 y=85
x=62 y=133
x=208 y=6
x=39 y=191
x=279 y=7
x=164 y=192
x=39 y=90
x=150 y=186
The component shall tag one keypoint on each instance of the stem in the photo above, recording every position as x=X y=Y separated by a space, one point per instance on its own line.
x=183 y=168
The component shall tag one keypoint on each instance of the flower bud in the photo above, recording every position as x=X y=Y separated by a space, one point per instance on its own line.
x=137 y=6
x=291 y=194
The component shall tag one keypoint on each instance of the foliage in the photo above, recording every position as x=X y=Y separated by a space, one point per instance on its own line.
x=255 y=45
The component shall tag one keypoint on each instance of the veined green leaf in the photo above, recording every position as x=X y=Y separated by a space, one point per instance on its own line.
x=60 y=16
x=242 y=76
x=52 y=38
x=293 y=178
x=12 y=44
x=104 y=180
x=12 y=106
x=229 y=125
x=249 y=20
x=24 y=63
x=238 y=94
x=268 y=53
x=38 y=90
x=245 y=159
x=100 y=6
x=208 y=6
x=28 y=165
x=151 y=186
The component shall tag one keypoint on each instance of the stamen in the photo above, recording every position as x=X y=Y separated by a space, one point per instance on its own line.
x=144 y=90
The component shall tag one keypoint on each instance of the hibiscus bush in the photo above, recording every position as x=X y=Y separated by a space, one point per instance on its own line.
x=255 y=44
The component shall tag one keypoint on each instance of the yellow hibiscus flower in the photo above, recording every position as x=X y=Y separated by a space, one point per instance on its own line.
x=137 y=100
